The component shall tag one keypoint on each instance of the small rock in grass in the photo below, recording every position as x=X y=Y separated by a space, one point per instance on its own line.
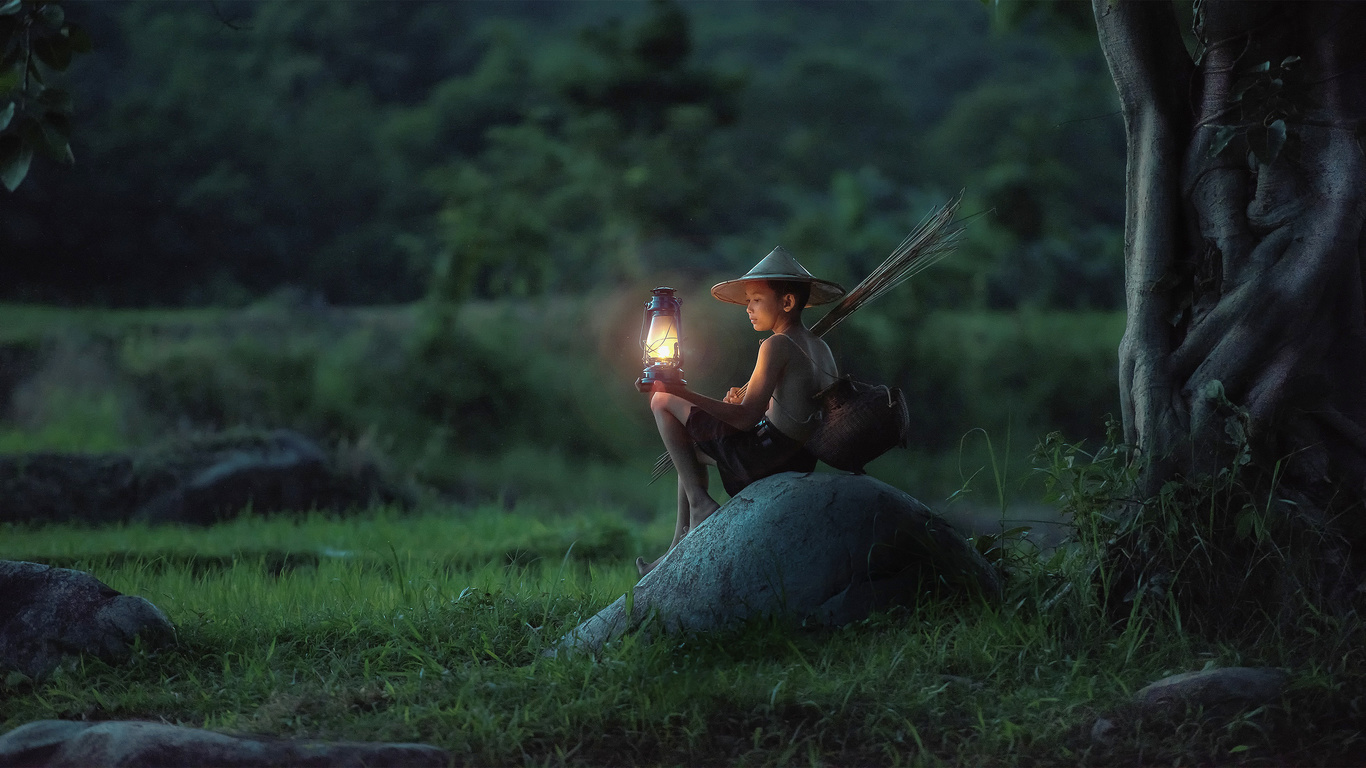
x=49 y=613
x=966 y=682
x=1102 y=732
x=820 y=548
x=66 y=744
x=1214 y=689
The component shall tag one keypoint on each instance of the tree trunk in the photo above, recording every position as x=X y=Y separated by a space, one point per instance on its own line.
x=1245 y=342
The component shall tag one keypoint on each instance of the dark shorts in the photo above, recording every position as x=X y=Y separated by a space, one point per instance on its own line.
x=745 y=455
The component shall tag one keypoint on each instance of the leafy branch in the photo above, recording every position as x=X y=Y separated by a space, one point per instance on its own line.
x=35 y=38
x=1263 y=98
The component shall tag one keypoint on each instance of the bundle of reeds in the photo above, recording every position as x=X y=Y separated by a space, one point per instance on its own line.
x=934 y=238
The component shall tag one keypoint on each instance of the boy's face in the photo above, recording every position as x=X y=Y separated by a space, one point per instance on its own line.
x=763 y=305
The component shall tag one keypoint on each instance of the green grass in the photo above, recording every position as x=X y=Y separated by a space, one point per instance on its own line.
x=86 y=424
x=430 y=627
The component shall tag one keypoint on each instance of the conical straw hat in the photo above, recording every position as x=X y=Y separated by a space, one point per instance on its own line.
x=778 y=265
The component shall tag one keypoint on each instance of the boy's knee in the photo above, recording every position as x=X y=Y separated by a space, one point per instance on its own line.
x=659 y=402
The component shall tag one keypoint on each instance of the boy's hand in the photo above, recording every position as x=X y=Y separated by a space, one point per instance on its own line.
x=733 y=396
x=660 y=386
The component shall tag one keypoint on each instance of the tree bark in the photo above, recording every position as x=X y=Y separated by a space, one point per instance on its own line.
x=1150 y=68
x=1243 y=253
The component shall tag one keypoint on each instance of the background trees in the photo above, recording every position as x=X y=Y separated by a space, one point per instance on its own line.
x=371 y=152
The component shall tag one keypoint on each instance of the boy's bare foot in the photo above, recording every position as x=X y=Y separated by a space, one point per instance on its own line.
x=644 y=567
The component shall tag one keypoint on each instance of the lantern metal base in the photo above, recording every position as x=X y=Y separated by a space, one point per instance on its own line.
x=662 y=373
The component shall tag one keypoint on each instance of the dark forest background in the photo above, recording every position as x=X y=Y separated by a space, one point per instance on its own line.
x=427 y=227
x=373 y=152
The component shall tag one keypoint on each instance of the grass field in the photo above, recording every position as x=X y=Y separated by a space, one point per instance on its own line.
x=429 y=627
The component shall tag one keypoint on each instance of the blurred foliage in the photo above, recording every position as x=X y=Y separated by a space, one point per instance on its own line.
x=526 y=397
x=35 y=42
x=622 y=154
x=370 y=152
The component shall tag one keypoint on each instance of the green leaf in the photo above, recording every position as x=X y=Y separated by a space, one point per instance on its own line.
x=52 y=15
x=1233 y=427
x=6 y=115
x=59 y=122
x=54 y=51
x=30 y=130
x=1275 y=140
x=15 y=156
x=1289 y=61
x=58 y=148
x=9 y=7
x=56 y=99
x=1222 y=137
x=55 y=141
x=10 y=78
x=1214 y=390
x=1267 y=141
x=1265 y=66
x=1242 y=88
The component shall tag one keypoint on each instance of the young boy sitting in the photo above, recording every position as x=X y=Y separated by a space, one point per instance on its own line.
x=760 y=430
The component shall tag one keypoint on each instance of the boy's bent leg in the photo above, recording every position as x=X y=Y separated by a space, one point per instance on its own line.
x=681 y=524
x=694 y=503
x=680 y=530
x=671 y=414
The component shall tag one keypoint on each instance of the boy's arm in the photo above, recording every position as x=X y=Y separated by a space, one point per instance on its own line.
x=773 y=358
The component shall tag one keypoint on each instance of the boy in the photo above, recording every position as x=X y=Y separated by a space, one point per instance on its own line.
x=761 y=431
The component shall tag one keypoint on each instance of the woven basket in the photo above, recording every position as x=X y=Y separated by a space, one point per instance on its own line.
x=861 y=422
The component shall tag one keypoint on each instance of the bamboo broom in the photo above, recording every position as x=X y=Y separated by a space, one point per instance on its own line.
x=934 y=238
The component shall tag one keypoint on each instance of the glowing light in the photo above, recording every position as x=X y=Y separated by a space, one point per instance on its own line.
x=662 y=340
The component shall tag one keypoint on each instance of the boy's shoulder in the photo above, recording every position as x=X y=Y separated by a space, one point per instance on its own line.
x=784 y=344
x=778 y=342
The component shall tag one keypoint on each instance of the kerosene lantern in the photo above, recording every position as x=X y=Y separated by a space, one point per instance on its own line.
x=661 y=337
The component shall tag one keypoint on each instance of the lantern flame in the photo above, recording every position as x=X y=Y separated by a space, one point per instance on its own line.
x=663 y=339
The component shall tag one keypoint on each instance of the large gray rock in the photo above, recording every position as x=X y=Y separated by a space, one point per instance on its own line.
x=827 y=548
x=48 y=613
x=65 y=744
